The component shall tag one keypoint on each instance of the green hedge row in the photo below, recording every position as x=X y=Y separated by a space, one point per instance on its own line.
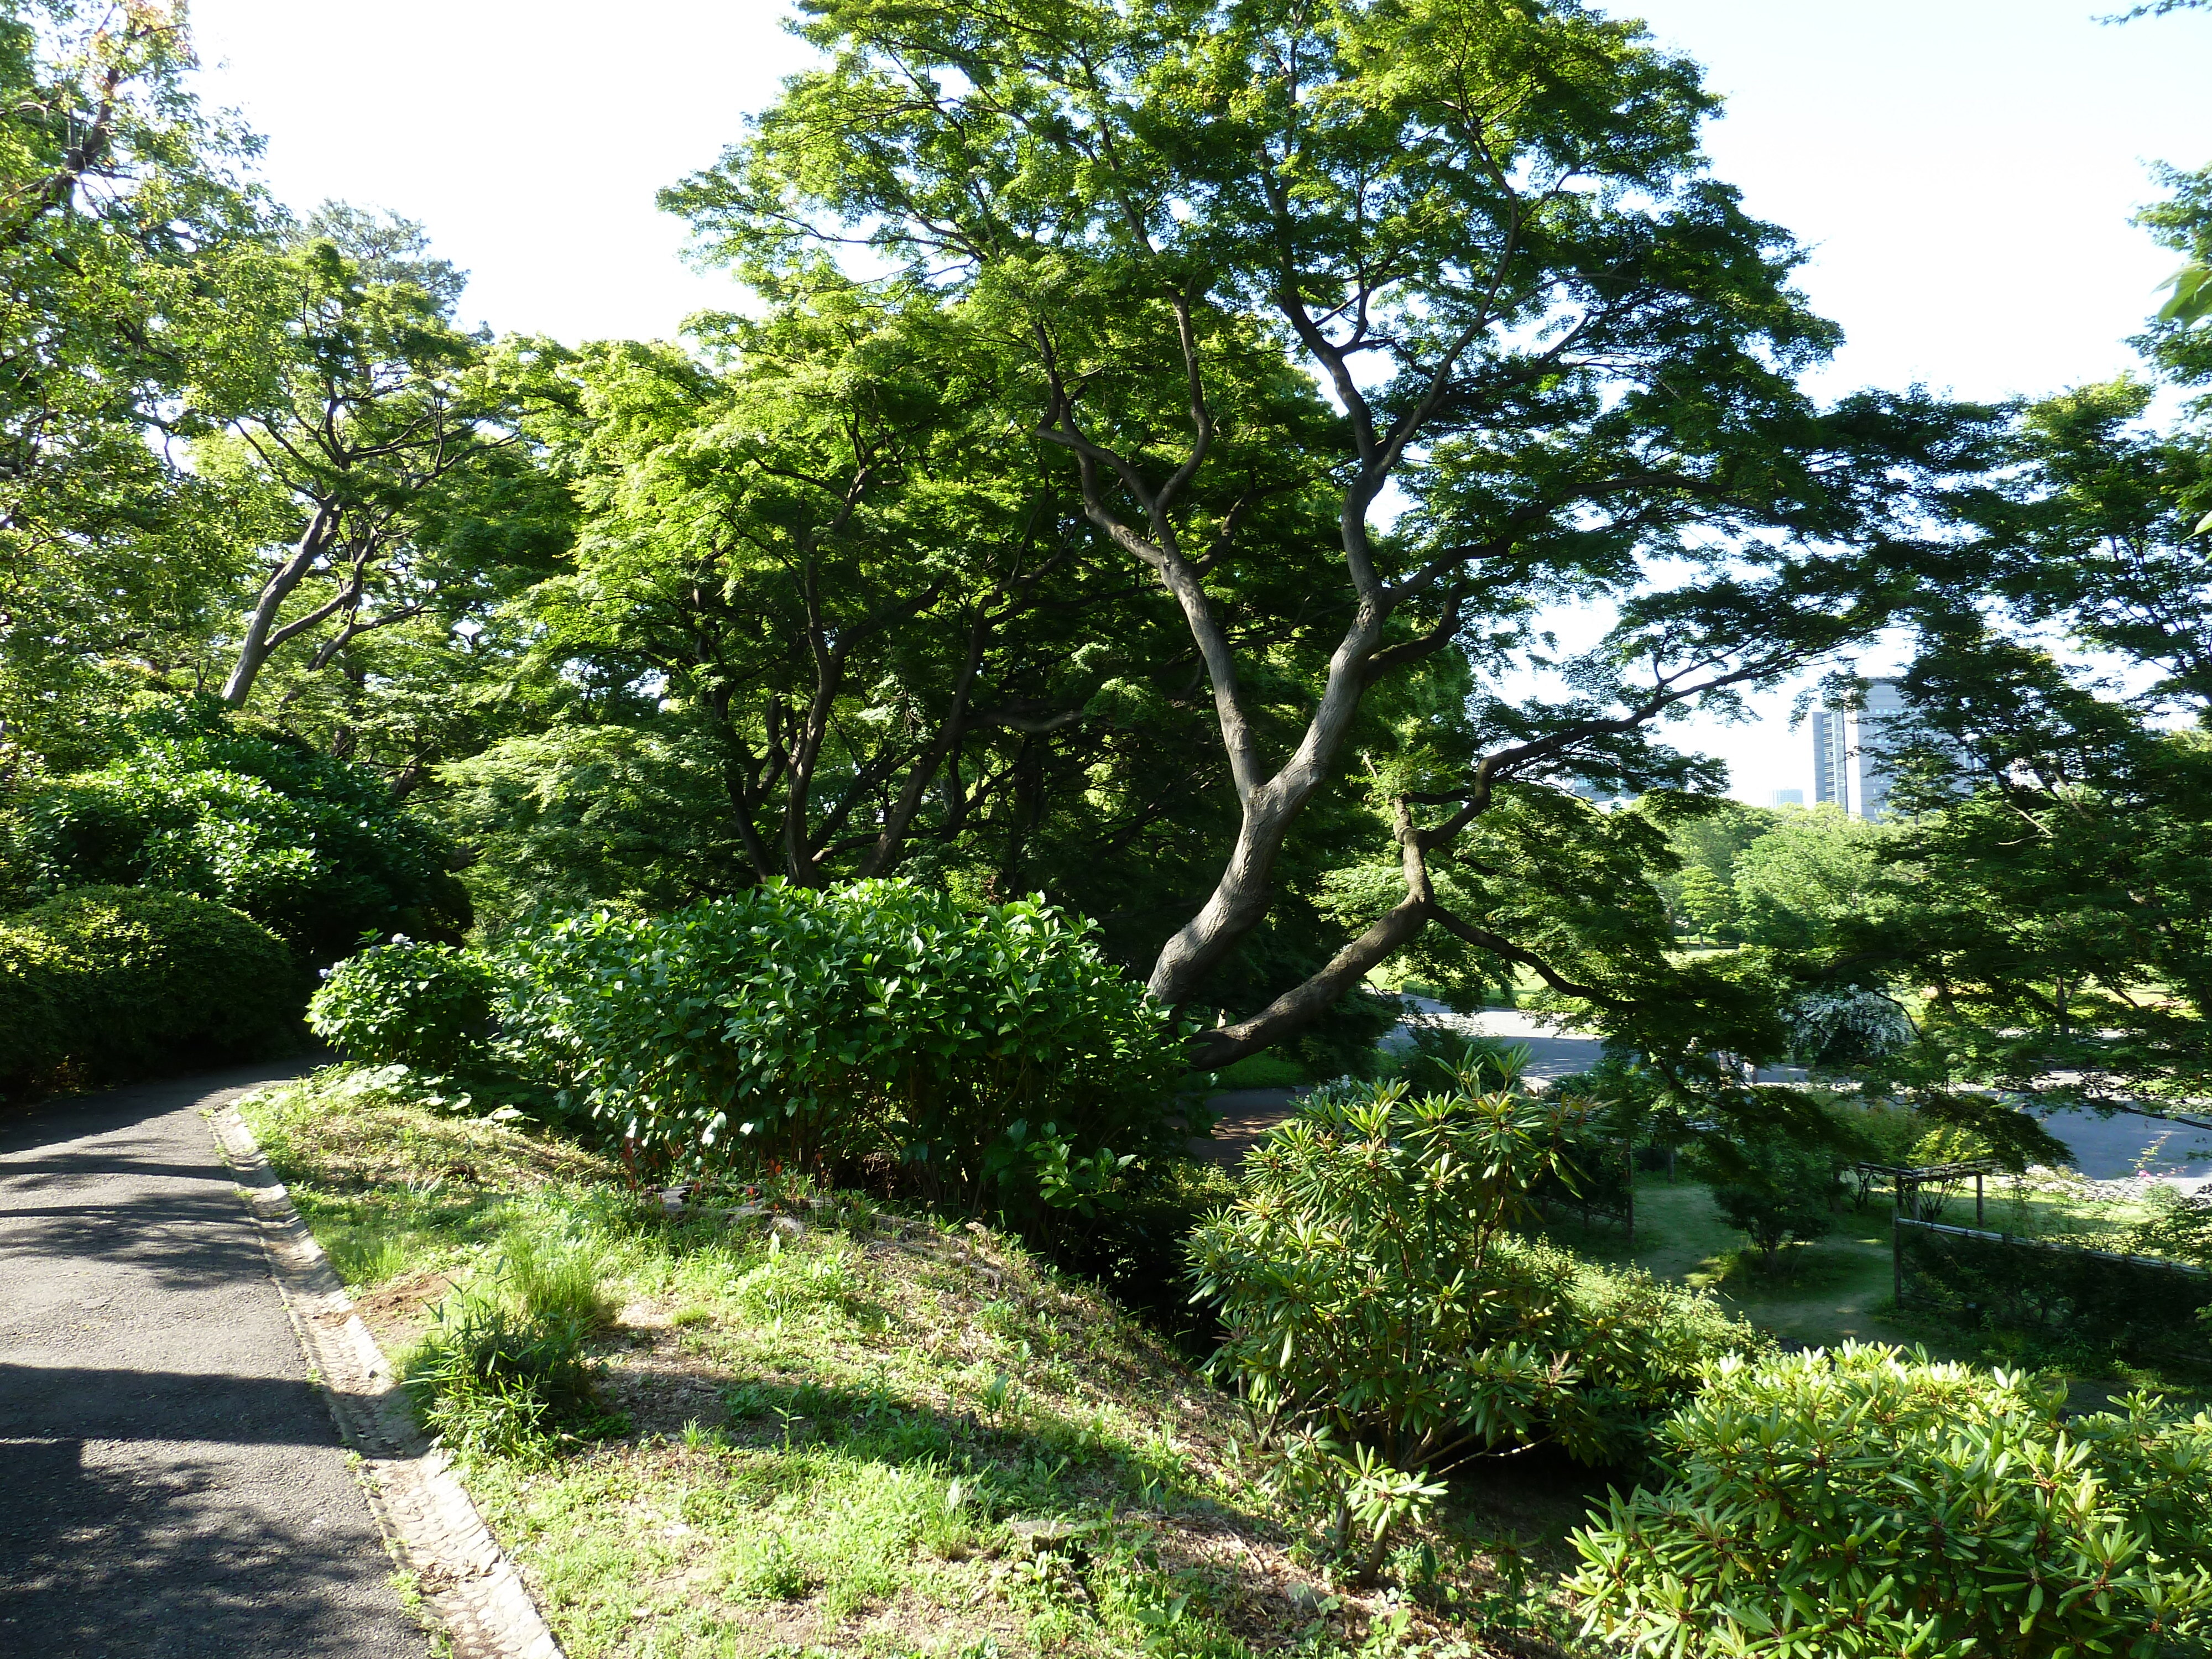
x=2091 y=1295
x=107 y=982
x=979 y=1057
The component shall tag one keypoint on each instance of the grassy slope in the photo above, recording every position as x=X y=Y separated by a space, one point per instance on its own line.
x=836 y=1444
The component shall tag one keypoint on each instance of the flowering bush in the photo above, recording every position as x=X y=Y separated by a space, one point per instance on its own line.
x=1837 y=1029
x=422 y=1004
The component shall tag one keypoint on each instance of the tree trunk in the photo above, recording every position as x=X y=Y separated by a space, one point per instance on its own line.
x=262 y=634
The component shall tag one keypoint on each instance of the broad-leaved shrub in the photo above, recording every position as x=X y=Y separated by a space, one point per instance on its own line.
x=1871 y=1503
x=108 y=983
x=311 y=846
x=421 y=1004
x=991 y=1056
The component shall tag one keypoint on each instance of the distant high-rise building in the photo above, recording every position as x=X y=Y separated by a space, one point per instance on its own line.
x=1789 y=798
x=1851 y=765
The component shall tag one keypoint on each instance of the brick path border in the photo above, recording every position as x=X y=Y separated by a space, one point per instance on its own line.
x=420 y=1505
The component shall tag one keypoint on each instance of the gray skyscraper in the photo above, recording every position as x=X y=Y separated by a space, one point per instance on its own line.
x=1851 y=765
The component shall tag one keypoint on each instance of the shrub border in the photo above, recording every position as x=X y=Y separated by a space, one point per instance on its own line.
x=2007 y=1242
x=426 y=1515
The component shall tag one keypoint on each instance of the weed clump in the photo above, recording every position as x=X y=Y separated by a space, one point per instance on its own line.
x=503 y=1369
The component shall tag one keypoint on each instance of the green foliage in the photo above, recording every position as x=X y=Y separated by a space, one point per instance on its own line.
x=2177 y=1228
x=193 y=801
x=1773 y=1190
x=107 y=982
x=1812 y=871
x=1510 y=202
x=2083 y=1293
x=1443 y=1056
x=493 y=1376
x=128 y=262
x=993 y=1056
x=423 y=1005
x=1381 y=1309
x=1709 y=902
x=1707 y=841
x=1865 y=1504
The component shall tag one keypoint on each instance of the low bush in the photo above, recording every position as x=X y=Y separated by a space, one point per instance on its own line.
x=1867 y=1503
x=196 y=801
x=1774 y=1190
x=109 y=983
x=502 y=1368
x=490 y=1377
x=1383 y=1315
x=418 y=1005
x=877 y=1031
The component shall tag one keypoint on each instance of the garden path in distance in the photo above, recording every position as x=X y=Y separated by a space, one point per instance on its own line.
x=173 y=1483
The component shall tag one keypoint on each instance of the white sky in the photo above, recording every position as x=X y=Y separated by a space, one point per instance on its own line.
x=1963 y=170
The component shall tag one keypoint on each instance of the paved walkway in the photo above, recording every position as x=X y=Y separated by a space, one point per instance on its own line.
x=171 y=1486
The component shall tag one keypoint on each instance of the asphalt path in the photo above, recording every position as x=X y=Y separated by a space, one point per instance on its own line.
x=171 y=1483
x=2105 y=1148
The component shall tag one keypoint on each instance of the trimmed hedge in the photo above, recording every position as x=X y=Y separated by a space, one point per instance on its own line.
x=108 y=983
x=197 y=801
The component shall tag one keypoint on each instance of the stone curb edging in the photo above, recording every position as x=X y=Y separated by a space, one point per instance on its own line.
x=425 y=1515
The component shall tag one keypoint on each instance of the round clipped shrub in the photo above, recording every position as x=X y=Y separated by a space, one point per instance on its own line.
x=1869 y=1503
x=195 y=801
x=108 y=983
x=972 y=1055
x=425 y=1005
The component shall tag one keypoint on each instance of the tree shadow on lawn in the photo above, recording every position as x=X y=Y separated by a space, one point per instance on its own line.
x=795 y=1459
x=846 y=1504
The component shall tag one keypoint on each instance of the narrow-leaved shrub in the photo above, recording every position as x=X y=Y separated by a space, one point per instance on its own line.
x=1870 y=1503
x=1384 y=1317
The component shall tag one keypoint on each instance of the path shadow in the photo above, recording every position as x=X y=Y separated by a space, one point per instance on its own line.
x=78 y=1402
x=185 y=1240
x=59 y=1119
x=103 y=1554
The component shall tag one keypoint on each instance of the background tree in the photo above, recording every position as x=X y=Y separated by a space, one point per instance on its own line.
x=2060 y=836
x=126 y=233
x=378 y=442
x=1487 y=230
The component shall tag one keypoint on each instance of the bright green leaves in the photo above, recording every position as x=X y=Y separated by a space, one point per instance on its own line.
x=311 y=846
x=126 y=239
x=1374 y=1294
x=428 y=1006
x=1865 y=1504
x=989 y=1058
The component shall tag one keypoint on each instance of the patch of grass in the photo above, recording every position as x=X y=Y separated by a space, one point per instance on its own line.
x=1264 y=1070
x=1821 y=1294
x=838 y=1437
